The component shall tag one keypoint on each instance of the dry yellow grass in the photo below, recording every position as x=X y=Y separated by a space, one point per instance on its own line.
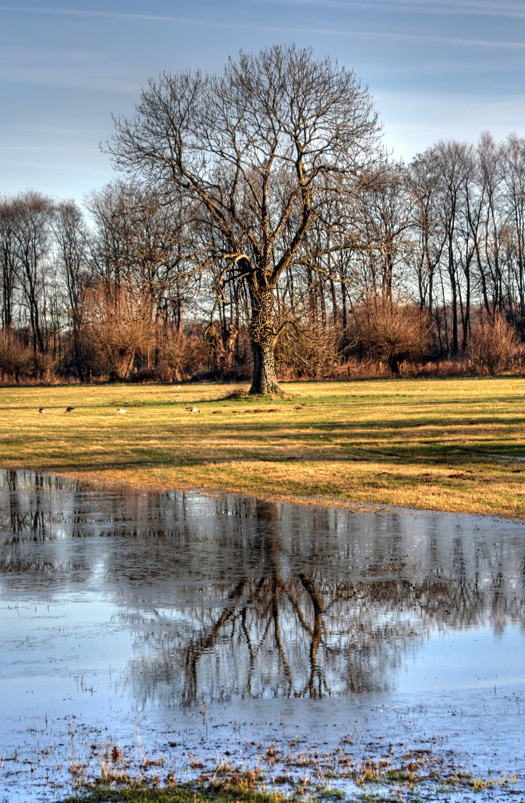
x=455 y=445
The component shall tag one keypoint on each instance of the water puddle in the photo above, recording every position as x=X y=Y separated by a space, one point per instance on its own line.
x=183 y=629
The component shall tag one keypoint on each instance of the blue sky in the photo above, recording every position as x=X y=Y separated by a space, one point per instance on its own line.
x=436 y=69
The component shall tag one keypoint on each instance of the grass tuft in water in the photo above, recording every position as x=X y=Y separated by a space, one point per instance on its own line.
x=239 y=788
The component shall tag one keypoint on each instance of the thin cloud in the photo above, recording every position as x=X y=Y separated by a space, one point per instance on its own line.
x=123 y=15
x=462 y=41
x=59 y=166
x=444 y=7
x=455 y=7
x=50 y=130
x=448 y=40
x=46 y=149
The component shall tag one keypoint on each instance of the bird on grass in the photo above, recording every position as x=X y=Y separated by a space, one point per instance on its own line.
x=192 y=410
x=120 y=411
x=41 y=409
x=69 y=409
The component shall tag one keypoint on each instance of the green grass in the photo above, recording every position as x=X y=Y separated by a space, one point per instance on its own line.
x=369 y=780
x=450 y=444
x=137 y=792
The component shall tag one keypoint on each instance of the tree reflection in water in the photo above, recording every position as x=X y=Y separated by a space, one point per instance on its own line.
x=289 y=624
x=231 y=597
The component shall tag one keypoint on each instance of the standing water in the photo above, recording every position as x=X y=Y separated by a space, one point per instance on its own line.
x=182 y=628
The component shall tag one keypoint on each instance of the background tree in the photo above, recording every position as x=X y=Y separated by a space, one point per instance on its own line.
x=73 y=253
x=30 y=232
x=428 y=237
x=139 y=243
x=382 y=223
x=513 y=200
x=260 y=151
x=8 y=241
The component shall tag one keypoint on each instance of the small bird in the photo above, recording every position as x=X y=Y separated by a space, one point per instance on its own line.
x=120 y=411
x=69 y=409
x=192 y=409
x=41 y=409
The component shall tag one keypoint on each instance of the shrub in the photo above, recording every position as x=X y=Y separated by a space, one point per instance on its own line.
x=180 y=355
x=16 y=358
x=118 y=322
x=494 y=345
x=310 y=353
x=391 y=332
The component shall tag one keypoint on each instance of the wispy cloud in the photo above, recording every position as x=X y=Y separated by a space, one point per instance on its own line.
x=123 y=15
x=428 y=7
x=370 y=5
x=46 y=149
x=448 y=40
x=51 y=130
x=454 y=7
x=59 y=165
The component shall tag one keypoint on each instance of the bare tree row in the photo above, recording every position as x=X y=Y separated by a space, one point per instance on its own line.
x=261 y=219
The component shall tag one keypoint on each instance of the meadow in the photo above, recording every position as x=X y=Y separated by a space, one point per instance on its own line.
x=440 y=444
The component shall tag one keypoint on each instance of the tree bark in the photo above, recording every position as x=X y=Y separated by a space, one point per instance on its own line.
x=263 y=338
x=394 y=365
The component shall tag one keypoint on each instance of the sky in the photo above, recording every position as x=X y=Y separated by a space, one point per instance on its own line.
x=436 y=69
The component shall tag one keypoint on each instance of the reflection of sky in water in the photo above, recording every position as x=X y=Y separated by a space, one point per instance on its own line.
x=464 y=659
x=119 y=607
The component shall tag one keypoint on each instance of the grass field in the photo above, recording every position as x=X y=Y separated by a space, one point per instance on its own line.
x=451 y=444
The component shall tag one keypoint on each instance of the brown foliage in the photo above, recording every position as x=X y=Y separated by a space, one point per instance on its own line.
x=494 y=346
x=118 y=321
x=391 y=332
x=16 y=358
x=308 y=353
x=179 y=355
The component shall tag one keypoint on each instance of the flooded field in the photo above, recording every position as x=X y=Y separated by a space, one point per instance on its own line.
x=189 y=629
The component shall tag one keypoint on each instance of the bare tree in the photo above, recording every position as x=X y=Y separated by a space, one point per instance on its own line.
x=73 y=255
x=260 y=151
x=30 y=217
x=8 y=260
x=488 y=242
x=456 y=168
x=384 y=218
x=139 y=243
x=513 y=190
x=424 y=176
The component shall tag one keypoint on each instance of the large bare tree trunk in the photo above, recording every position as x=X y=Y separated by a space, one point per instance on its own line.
x=264 y=380
x=263 y=337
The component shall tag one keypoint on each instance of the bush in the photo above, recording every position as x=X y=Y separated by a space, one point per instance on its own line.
x=46 y=365
x=312 y=353
x=391 y=332
x=16 y=358
x=494 y=346
x=180 y=355
x=118 y=321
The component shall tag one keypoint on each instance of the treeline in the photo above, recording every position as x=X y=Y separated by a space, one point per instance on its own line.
x=428 y=274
